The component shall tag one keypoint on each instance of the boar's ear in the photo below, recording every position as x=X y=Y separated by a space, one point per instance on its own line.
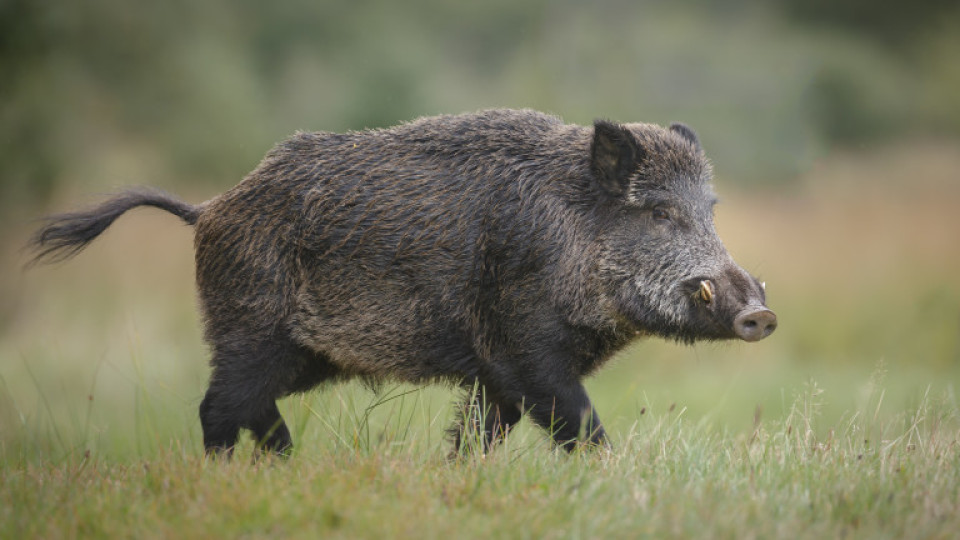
x=614 y=156
x=684 y=131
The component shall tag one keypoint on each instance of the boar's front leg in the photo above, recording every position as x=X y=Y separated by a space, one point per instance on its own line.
x=565 y=411
x=483 y=405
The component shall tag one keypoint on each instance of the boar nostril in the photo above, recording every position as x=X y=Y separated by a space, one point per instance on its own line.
x=755 y=323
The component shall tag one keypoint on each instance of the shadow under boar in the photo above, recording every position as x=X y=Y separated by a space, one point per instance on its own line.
x=502 y=249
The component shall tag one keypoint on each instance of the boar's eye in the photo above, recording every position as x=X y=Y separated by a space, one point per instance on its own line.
x=660 y=214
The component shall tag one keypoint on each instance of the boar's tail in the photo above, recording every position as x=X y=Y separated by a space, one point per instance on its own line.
x=65 y=235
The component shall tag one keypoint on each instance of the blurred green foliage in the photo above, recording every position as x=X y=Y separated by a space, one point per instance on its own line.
x=106 y=92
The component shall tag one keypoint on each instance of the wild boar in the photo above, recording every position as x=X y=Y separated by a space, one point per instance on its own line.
x=503 y=249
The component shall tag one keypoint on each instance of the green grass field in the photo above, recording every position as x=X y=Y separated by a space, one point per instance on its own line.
x=845 y=423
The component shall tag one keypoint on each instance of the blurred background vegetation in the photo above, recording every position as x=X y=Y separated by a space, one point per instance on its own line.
x=187 y=92
x=834 y=127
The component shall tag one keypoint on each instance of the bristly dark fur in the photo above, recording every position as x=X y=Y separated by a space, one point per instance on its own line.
x=503 y=250
x=65 y=235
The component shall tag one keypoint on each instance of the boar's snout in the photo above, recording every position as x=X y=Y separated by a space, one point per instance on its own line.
x=754 y=323
x=745 y=297
x=734 y=303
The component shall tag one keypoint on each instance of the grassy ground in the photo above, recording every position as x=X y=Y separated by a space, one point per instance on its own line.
x=666 y=477
x=845 y=422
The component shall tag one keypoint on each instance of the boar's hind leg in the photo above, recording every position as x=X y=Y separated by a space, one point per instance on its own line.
x=270 y=431
x=567 y=414
x=244 y=386
x=497 y=414
x=227 y=408
x=220 y=424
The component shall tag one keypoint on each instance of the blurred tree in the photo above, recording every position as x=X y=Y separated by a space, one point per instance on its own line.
x=103 y=92
x=30 y=163
x=891 y=23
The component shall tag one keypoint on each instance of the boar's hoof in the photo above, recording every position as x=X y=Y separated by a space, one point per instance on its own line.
x=755 y=323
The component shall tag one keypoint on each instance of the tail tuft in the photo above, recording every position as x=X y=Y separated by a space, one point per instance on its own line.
x=65 y=235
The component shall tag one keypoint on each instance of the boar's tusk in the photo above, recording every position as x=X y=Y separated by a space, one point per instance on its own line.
x=763 y=285
x=706 y=291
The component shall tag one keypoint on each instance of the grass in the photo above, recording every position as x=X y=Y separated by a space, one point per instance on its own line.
x=376 y=470
x=845 y=423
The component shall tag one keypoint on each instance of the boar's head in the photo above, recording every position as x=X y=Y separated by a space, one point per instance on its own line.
x=665 y=268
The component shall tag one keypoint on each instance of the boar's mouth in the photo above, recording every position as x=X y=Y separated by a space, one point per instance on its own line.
x=698 y=309
x=669 y=317
x=721 y=312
